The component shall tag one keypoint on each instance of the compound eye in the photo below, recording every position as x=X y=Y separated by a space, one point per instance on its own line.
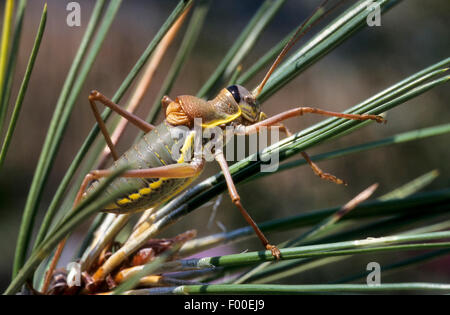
x=233 y=89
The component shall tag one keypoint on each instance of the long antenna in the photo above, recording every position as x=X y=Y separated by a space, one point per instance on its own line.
x=294 y=39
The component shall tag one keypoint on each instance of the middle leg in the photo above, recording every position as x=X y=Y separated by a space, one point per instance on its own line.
x=220 y=158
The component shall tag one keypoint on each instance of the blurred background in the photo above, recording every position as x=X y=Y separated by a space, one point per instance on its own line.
x=413 y=35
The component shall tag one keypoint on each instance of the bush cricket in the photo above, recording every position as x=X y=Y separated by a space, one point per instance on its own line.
x=160 y=176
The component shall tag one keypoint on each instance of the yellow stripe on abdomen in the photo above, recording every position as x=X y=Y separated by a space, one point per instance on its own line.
x=146 y=191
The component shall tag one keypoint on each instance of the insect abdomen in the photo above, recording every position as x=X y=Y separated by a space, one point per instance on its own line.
x=154 y=149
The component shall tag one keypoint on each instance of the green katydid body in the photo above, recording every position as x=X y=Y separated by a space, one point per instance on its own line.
x=177 y=140
x=154 y=149
x=162 y=146
x=233 y=106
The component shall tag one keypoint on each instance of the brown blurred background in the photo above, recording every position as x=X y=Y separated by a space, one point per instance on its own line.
x=413 y=36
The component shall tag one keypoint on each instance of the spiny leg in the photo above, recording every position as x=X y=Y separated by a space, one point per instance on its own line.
x=180 y=170
x=316 y=169
x=135 y=120
x=145 y=81
x=143 y=125
x=48 y=275
x=92 y=98
x=220 y=158
x=103 y=129
x=140 y=123
x=87 y=179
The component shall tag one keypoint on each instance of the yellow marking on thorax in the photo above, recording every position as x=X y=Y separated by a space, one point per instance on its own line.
x=159 y=157
x=186 y=146
x=223 y=121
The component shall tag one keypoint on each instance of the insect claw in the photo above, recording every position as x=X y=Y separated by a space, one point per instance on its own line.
x=94 y=93
x=380 y=119
x=275 y=251
x=333 y=179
